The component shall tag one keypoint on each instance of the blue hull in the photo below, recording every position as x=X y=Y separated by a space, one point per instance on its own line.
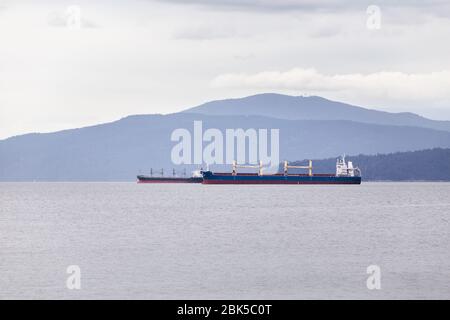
x=242 y=178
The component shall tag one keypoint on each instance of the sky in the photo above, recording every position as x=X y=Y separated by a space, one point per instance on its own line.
x=68 y=64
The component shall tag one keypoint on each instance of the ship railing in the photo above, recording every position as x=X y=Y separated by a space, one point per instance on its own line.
x=160 y=173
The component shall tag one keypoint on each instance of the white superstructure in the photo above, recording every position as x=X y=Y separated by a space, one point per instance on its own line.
x=344 y=169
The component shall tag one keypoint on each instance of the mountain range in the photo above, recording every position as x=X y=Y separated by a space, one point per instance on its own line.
x=312 y=108
x=310 y=127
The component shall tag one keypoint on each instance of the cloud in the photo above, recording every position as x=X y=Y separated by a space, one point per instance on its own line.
x=263 y=4
x=205 y=32
x=387 y=85
x=135 y=59
x=322 y=5
x=71 y=15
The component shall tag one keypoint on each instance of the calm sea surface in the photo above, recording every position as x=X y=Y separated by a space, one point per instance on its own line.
x=232 y=242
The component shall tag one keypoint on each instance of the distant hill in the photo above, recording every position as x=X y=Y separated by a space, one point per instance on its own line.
x=312 y=108
x=119 y=150
x=424 y=165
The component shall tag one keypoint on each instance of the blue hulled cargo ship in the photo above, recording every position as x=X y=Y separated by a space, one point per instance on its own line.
x=345 y=174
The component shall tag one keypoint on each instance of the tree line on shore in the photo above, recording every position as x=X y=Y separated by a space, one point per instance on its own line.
x=423 y=165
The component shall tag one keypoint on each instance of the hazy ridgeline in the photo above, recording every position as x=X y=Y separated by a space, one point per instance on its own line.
x=312 y=108
x=310 y=128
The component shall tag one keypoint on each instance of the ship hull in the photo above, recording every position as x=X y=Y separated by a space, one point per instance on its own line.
x=147 y=179
x=218 y=178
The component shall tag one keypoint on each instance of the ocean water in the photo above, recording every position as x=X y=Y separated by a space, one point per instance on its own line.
x=135 y=241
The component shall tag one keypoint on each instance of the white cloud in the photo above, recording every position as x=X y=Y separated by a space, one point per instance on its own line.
x=432 y=6
x=386 y=85
x=63 y=19
x=155 y=57
x=204 y=32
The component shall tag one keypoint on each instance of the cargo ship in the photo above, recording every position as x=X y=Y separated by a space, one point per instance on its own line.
x=195 y=178
x=345 y=174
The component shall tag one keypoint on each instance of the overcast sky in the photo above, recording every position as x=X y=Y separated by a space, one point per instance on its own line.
x=144 y=56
